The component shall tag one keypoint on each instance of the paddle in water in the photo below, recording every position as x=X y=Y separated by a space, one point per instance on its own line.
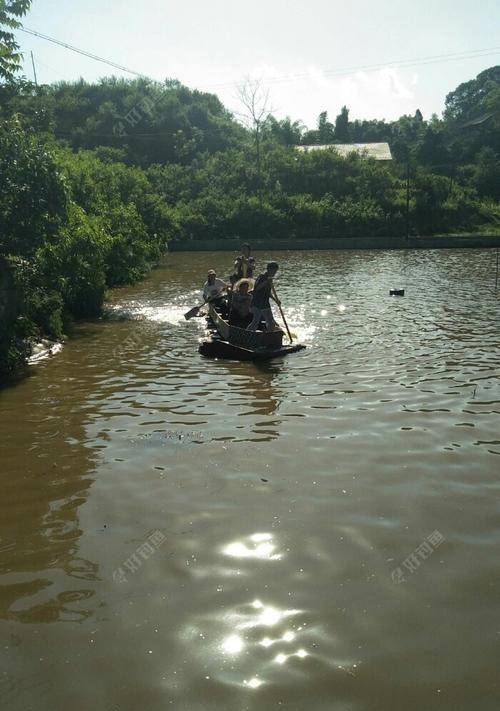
x=278 y=302
x=196 y=309
x=193 y=312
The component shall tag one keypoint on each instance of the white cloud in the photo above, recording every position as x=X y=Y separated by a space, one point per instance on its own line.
x=379 y=94
x=304 y=92
x=318 y=77
x=265 y=72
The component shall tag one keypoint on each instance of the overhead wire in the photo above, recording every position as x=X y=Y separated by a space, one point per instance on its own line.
x=83 y=52
x=399 y=64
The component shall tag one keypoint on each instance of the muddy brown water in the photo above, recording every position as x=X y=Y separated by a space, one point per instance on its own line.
x=319 y=532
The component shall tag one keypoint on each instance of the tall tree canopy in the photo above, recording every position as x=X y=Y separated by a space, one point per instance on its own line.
x=342 y=126
x=472 y=114
x=10 y=57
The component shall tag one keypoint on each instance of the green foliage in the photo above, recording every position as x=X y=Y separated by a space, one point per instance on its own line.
x=96 y=179
x=286 y=131
x=74 y=224
x=472 y=115
x=130 y=252
x=36 y=313
x=342 y=133
x=326 y=131
x=10 y=58
x=33 y=196
x=147 y=121
x=486 y=175
x=432 y=150
x=74 y=263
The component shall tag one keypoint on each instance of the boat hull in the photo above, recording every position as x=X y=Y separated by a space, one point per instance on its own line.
x=217 y=348
x=243 y=337
x=234 y=343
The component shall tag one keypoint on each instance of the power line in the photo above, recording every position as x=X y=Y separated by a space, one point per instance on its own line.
x=84 y=52
x=401 y=64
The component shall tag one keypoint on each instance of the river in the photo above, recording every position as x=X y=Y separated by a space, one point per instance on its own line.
x=320 y=532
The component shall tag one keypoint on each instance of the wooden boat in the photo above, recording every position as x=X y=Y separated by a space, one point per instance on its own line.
x=235 y=343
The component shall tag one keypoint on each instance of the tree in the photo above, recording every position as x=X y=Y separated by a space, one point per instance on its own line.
x=10 y=57
x=342 y=125
x=325 y=129
x=285 y=131
x=487 y=173
x=470 y=99
x=407 y=132
x=255 y=100
x=33 y=195
x=472 y=115
x=149 y=122
x=432 y=150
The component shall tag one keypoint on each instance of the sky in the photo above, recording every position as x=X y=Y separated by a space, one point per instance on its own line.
x=312 y=56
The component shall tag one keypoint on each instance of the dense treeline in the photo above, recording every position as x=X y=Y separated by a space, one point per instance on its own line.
x=95 y=179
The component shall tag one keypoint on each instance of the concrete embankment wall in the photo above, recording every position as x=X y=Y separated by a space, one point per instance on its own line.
x=446 y=242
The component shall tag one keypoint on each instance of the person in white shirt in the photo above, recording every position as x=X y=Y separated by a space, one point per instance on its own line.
x=213 y=289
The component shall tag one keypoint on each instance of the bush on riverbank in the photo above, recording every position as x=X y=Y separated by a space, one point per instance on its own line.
x=70 y=226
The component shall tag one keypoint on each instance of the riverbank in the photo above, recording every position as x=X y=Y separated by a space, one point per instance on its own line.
x=436 y=242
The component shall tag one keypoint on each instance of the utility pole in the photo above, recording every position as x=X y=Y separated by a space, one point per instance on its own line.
x=34 y=69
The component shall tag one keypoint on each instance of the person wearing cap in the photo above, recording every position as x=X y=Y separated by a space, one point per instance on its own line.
x=213 y=288
x=262 y=293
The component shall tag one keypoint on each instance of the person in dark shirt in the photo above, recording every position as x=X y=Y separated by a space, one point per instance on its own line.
x=262 y=293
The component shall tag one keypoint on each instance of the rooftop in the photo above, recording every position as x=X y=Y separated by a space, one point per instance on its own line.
x=378 y=151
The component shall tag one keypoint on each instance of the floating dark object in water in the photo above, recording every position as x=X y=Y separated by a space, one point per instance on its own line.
x=396 y=292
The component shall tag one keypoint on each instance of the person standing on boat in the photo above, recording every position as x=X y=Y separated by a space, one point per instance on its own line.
x=244 y=266
x=262 y=293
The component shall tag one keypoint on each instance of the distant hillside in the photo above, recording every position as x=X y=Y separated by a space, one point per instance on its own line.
x=146 y=122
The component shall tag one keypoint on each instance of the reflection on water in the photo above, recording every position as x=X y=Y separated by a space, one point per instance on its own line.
x=259 y=545
x=242 y=631
x=46 y=477
x=286 y=494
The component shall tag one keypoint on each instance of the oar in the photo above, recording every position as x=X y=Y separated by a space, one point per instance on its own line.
x=193 y=312
x=282 y=314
